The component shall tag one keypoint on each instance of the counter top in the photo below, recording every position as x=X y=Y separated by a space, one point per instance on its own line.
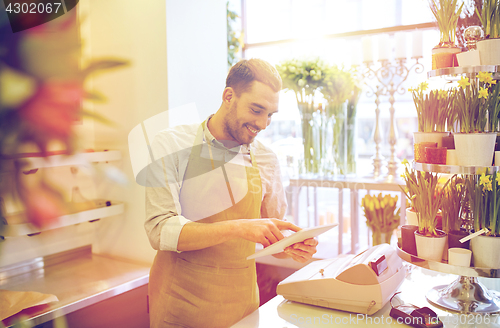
x=281 y=313
x=78 y=282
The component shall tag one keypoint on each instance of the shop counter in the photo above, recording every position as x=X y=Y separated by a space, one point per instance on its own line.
x=280 y=313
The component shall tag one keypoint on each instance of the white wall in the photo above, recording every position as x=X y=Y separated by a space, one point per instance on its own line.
x=178 y=53
x=196 y=53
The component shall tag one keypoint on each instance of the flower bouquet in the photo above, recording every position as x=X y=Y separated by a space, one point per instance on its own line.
x=381 y=216
x=305 y=78
x=338 y=88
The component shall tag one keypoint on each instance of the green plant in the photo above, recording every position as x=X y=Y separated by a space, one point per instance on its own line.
x=425 y=194
x=484 y=198
x=410 y=178
x=446 y=15
x=234 y=41
x=476 y=104
x=453 y=197
x=434 y=109
x=490 y=18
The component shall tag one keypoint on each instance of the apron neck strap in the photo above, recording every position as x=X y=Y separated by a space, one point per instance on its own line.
x=198 y=140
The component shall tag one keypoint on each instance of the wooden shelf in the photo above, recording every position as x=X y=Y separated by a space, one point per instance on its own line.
x=72 y=160
x=19 y=226
x=35 y=161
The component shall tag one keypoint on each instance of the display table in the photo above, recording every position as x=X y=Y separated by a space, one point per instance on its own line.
x=281 y=313
x=354 y=185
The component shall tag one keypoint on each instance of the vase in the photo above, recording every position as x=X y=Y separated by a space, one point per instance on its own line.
x=411 y=216
x=475 y=149
x=489 y=51
x=338 y=148
x=351 y=155
x=379 y=237
x=408 y=239
x=430 y=247
x=485 y=252
x=310 y=162
x=444 y=55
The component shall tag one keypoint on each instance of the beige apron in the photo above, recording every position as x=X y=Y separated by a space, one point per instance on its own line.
x=211 y=287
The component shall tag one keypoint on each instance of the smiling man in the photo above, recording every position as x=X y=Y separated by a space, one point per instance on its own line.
x=221 y=194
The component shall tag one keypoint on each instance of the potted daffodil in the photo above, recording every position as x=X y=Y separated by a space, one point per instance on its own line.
x=476 y=105
x=489 y=47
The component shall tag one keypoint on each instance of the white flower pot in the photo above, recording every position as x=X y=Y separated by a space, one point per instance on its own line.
x=429 y=137
x=469 y=58
x=485 y=251
x=411 y=217
x=475 y=149
x=489 y=51
x=430 y=248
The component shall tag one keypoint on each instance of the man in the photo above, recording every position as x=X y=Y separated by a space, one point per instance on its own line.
x=215 y=195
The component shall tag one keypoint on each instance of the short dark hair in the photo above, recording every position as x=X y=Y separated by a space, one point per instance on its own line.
x=244 y=72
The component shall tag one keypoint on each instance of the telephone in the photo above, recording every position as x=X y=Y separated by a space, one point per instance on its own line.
x=361 y=283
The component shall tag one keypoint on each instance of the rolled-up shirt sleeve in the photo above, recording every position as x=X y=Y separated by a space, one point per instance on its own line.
x=164 y=220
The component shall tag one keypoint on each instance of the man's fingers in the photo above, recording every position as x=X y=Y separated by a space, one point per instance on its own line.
x=282 y=225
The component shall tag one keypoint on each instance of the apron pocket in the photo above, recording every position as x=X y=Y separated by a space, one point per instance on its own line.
x=202 y=296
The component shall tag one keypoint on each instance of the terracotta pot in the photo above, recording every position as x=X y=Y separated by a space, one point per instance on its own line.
x=430 y=248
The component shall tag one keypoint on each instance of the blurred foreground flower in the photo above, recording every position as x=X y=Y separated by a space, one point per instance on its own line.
x=44 y=205
x=52 y=110
x=42 y=78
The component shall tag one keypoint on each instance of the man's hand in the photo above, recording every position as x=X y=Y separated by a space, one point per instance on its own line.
x=303 y=251
x=264 y=231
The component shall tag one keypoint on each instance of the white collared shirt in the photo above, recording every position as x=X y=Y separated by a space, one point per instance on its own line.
x=171 y=149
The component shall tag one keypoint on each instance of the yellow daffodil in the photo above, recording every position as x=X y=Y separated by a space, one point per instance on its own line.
x=404 y=161
x=464 y=82
x=498 y=178
x=483 y=93
x=423 y=86
x=484 y=179
x=483 y=76
x=442 y=94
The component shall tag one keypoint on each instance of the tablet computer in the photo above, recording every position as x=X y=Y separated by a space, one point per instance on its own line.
x=296 y=237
